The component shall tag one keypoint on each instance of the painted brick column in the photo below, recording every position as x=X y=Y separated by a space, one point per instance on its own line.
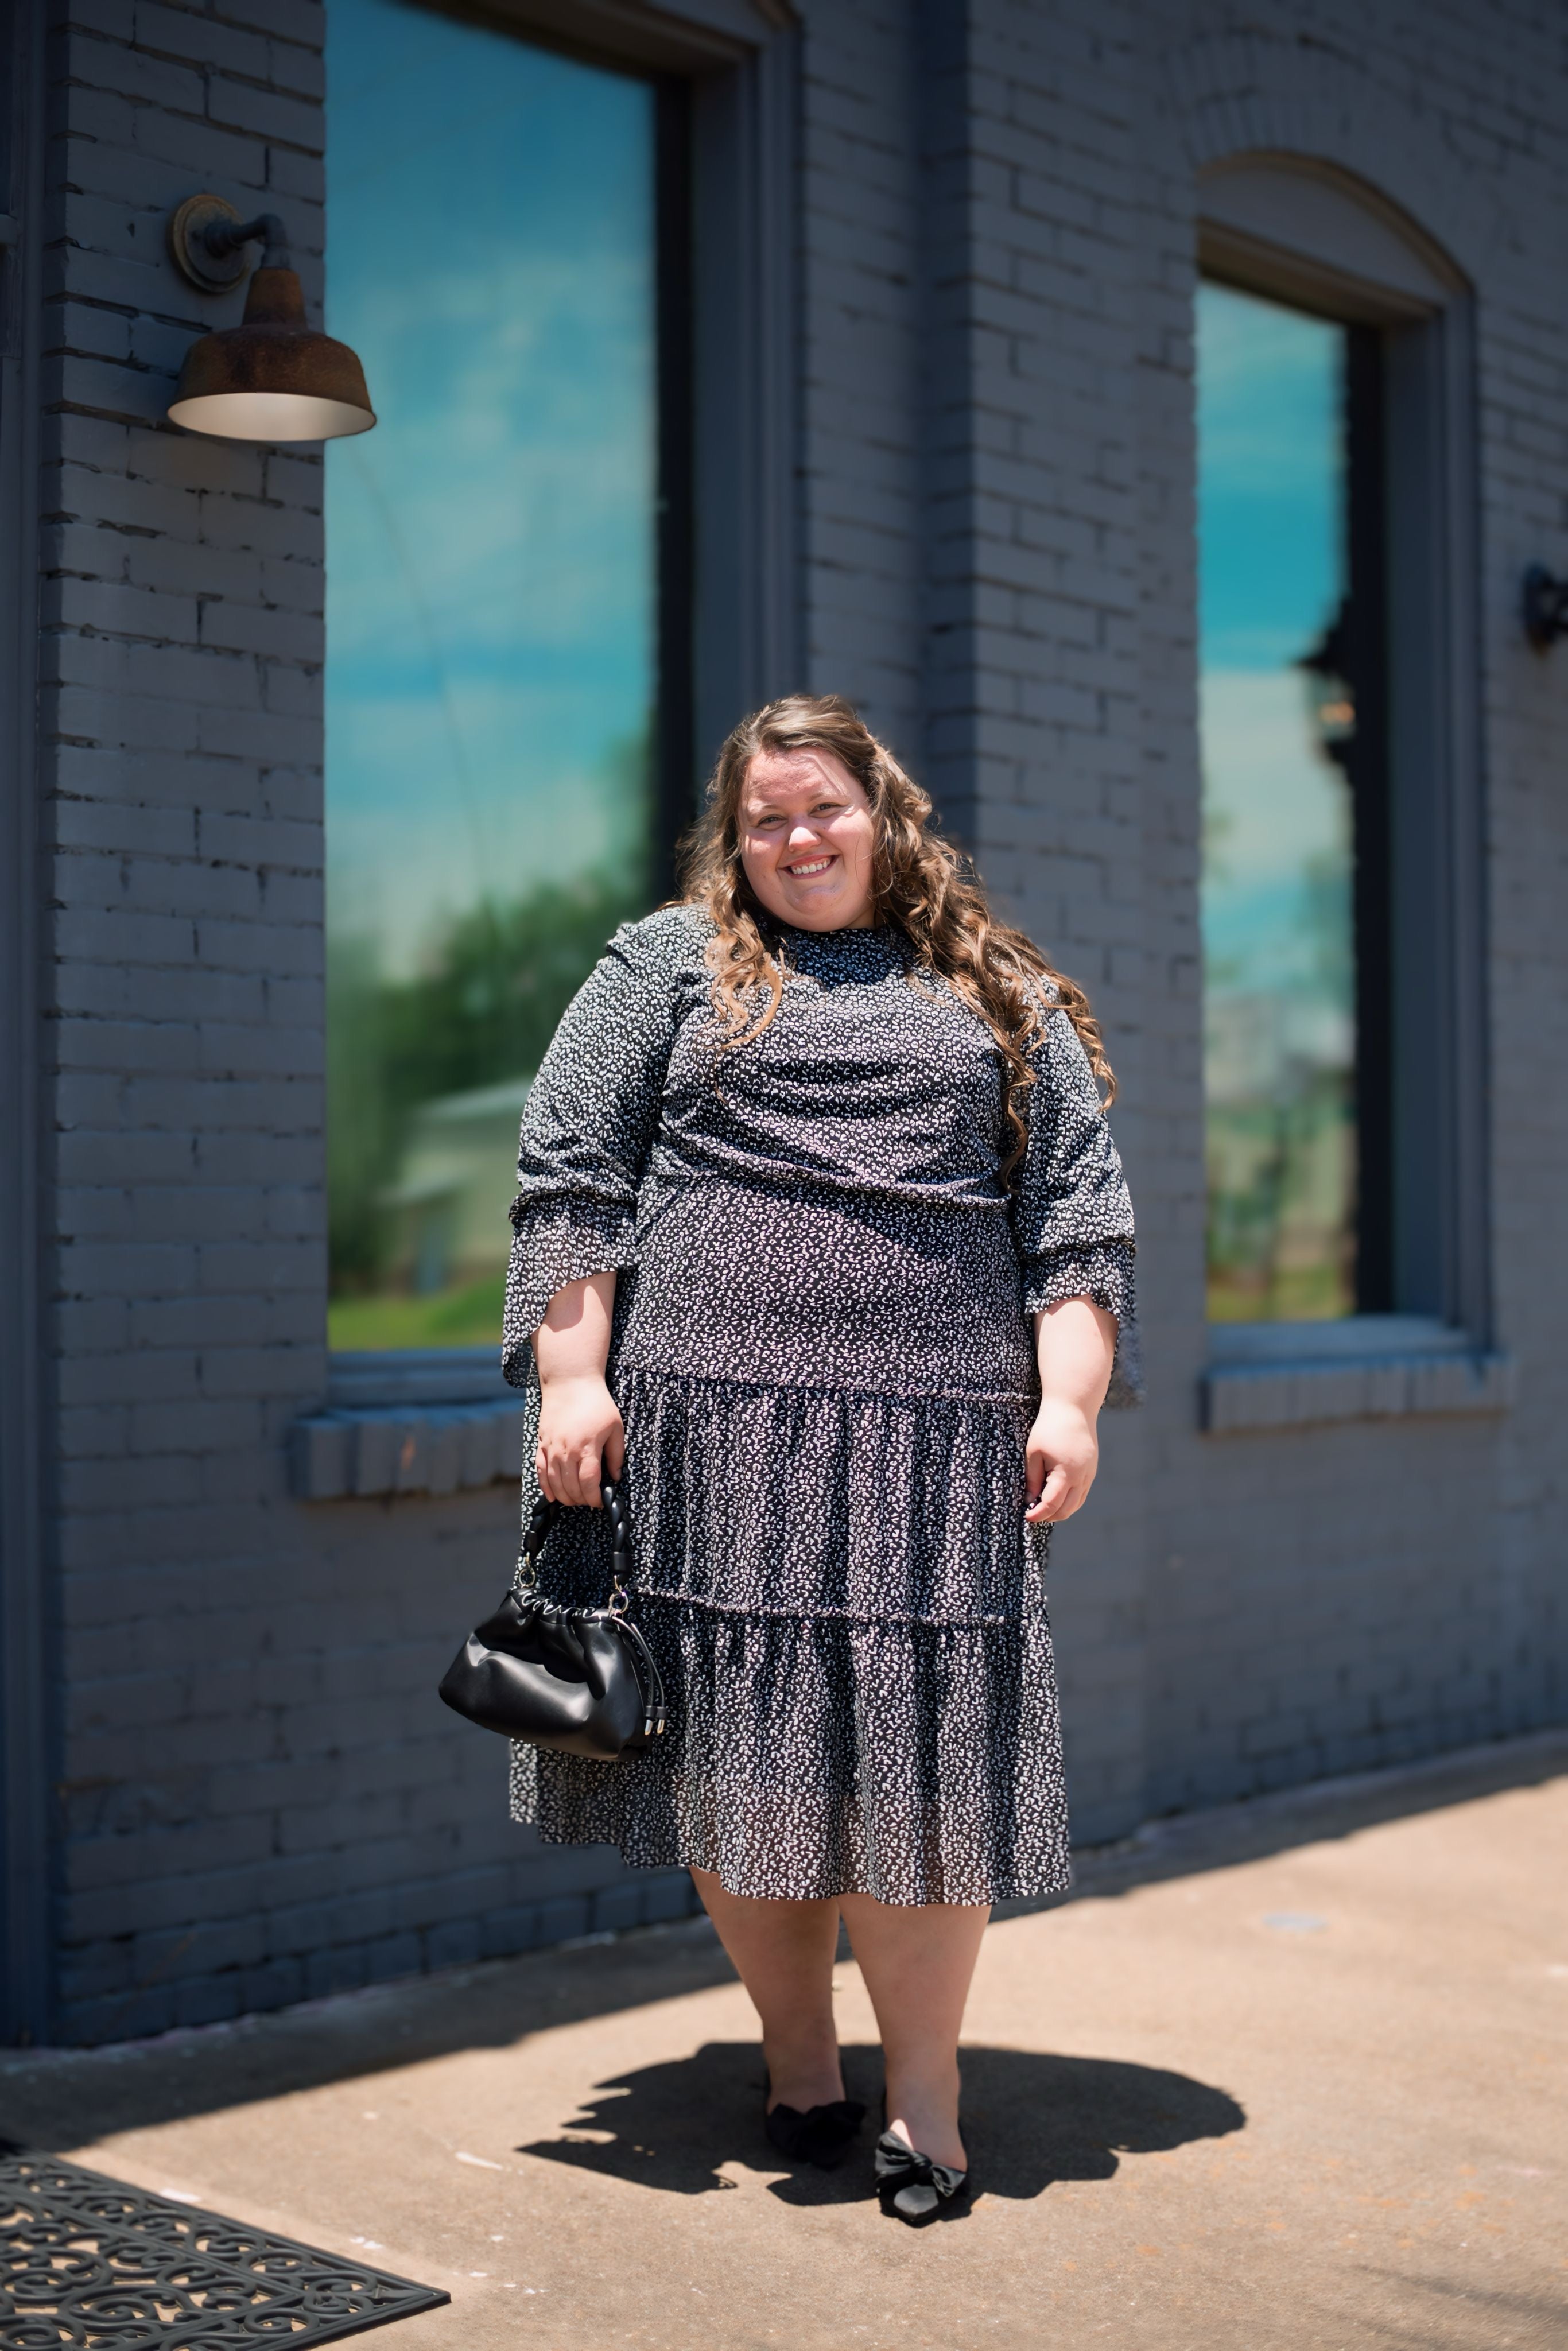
x=182 y=657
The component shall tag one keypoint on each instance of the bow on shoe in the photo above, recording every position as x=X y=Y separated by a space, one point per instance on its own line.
x=916 y=2186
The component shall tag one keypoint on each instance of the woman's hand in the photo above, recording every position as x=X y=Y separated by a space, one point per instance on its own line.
x=1063 y=1455
x=580 y=1438
x=1076 y=1343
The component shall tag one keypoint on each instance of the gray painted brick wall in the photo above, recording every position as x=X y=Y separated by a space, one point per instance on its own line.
x=1327 y=1600
x=260 y=1800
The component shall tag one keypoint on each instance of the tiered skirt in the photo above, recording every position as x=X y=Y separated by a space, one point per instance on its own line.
x=826 y=1406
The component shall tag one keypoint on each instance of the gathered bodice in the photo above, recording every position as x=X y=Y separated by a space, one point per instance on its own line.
x=874 y=1084
x=862 y=1082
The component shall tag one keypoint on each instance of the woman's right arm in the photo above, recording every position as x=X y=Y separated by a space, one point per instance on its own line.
x=591 y=1117
x=580 y=1428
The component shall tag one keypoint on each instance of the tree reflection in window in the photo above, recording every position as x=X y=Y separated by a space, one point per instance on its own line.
x=491 y=626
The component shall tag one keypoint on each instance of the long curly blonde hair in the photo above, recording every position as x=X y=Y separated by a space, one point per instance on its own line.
x=920 y=884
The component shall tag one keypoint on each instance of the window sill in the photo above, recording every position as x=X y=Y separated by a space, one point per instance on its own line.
x=434 y=1421
x=1267 y=1375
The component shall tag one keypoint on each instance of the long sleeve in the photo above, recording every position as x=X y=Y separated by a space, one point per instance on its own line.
x=589 y=1124
x=1073 y=1217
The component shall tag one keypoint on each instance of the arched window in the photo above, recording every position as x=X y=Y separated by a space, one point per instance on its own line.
x=1342 y=895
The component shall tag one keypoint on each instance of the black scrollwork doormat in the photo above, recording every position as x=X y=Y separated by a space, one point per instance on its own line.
x=89 y=2262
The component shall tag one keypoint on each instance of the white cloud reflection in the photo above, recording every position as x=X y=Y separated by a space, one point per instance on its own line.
x=1273 y=803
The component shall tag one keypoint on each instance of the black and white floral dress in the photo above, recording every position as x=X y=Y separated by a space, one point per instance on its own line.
x=823 y=1358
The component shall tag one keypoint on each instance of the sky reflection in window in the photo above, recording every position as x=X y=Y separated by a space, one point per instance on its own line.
x=490 y=625
x=1279 y=948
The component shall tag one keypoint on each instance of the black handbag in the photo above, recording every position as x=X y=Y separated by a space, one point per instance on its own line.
x=582 y=1681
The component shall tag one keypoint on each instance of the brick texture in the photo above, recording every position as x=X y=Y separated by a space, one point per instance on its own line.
x=260 y=1800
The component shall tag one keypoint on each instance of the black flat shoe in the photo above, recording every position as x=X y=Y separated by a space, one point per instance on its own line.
x=912 y=2188
x=822 y=2135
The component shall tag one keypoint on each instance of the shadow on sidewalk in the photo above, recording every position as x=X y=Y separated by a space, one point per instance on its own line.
x=65 y=2098
x=1028 y=2120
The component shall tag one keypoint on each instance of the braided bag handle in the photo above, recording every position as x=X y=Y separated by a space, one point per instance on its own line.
x=542 y=1517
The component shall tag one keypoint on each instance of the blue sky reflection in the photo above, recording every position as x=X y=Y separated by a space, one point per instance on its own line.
x=490 y=556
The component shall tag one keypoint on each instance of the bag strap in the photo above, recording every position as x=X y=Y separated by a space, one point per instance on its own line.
x=544 y=1515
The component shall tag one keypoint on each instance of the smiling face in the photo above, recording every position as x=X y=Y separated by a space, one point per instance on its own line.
x=807 y=838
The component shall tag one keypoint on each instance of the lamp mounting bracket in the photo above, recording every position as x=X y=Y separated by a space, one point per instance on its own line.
x=1545 y=606
x=207 y=238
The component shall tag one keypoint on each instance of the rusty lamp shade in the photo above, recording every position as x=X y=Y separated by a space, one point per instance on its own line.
x=273 y=377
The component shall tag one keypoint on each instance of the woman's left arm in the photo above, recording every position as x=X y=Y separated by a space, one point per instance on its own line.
x=1073 y=1227
x=1076 y=1343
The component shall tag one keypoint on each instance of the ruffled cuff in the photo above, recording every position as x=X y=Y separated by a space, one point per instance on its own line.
x=1102 y=1270
x=553 y=1246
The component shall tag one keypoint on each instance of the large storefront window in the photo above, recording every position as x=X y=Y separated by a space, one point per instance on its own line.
x=492 y=624
x=1294 y=928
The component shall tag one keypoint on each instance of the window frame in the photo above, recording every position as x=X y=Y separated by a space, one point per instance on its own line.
x=726 y=75
x=1294 y=231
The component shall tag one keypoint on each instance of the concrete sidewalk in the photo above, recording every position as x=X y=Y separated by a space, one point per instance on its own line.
x=1288 y=2075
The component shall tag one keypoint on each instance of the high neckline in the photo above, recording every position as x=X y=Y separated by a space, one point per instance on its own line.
x=883 y=930
x=833 y=956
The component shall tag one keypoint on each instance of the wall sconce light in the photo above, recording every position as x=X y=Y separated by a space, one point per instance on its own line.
x=271 y=377
x=1545 y=607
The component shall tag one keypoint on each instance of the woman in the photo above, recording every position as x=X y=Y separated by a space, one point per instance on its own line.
x=822 y=1239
